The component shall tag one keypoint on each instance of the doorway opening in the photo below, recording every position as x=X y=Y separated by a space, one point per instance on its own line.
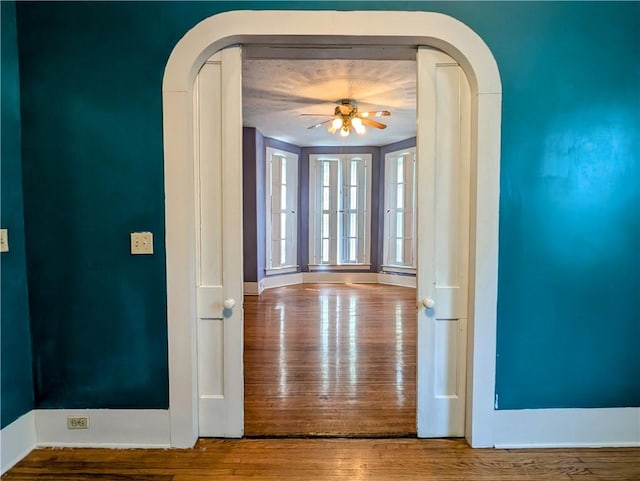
x=422 y=28
x=341 y=215
x=327 y=359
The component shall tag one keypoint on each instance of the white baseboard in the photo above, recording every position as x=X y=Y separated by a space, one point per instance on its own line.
x=396 y=280
x=560 y=428
x=283 y=280
x=253 y=288
x=340 y=277
x=108 y=428
x=16 y=441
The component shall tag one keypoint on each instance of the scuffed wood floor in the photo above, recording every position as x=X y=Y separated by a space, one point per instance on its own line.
x=329 y=459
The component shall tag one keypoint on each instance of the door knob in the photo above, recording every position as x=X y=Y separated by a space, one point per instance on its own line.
x=229 y=303
x=428 y=302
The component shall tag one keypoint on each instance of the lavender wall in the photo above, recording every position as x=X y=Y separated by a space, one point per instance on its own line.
x=249 y=204
x=254 y=146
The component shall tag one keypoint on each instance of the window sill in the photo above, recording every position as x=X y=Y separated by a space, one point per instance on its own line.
x=280 y=270
x=399 y=270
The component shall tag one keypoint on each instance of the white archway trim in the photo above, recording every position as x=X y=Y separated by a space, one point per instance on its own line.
x=342 y=28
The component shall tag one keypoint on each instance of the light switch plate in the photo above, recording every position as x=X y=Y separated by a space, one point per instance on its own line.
x=4 y=240
x=141 y=243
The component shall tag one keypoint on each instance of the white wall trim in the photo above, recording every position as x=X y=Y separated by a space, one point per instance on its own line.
x=281 y=281
x=108 y=428
x=329 y=28
x=16 y=441
x=253 y=288
x=395 y=280
x=560 y=428
x=340 y=277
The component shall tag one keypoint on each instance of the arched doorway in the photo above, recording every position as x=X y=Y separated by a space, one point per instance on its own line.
x=343 y=28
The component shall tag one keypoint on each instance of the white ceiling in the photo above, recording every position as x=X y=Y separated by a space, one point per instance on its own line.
x=276 y=91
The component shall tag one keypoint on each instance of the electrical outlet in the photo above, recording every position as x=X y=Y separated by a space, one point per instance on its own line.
x=141 y=243
x=77 y=422
x=4 y=240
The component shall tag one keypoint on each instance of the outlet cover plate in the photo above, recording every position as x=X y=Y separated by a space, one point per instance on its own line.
x=141 y=243
x=4 y=240
x=77 y=422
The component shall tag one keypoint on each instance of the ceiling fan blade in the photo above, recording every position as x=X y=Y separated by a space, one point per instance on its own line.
x=377 y=113
x=373 y=123
x=319 y=124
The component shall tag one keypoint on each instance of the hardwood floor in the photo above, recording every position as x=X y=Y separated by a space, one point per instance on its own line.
x=330 y=359
x=329 y=459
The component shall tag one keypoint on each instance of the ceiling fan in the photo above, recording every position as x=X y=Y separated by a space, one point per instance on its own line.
x=347 y=117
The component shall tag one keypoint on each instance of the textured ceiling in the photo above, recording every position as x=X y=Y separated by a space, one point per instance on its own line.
x=276 y=91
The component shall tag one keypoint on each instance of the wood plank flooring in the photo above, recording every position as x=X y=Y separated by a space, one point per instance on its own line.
x=330 y=359
x=329 y=459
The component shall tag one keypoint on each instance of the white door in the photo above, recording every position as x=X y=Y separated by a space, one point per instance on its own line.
x=218 y=177
x=443 y=181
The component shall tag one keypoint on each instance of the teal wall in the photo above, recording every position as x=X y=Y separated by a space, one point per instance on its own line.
x=16 y=376
x=569 y=270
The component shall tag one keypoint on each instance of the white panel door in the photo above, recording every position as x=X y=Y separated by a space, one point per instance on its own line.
x=443 y=180
x=218 y=178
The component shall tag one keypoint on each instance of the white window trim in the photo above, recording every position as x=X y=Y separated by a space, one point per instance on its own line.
x=292 y=179
x=272 y=271
x=399 y=269
x=313 y=160
x=388 y=265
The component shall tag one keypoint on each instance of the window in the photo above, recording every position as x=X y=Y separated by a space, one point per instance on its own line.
x=340 y=213
x=399 y=211
x=281 y=206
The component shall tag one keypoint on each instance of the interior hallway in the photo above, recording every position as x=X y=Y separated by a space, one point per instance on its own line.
x=330 y=360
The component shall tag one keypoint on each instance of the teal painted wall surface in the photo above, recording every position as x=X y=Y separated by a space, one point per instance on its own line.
x=569 y=270
x=569 y=267
x=16 y=376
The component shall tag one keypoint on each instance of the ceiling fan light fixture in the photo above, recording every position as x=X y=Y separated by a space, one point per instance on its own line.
x=347 y=117
x=357 y=125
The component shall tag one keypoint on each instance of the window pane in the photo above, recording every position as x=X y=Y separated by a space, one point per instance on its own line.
x=399 y=224
x=283 y=253
x=283 y=226
x=352 y=250
x=325 y=251
x=354 y=173
x=283 y=197
x=353 y=225
x=326 y=174
x=353 y=198
x=325 y=198
x=400 y=196
x=400 y=177
x=283 y=170
x=325 y=226
x=399 y=251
